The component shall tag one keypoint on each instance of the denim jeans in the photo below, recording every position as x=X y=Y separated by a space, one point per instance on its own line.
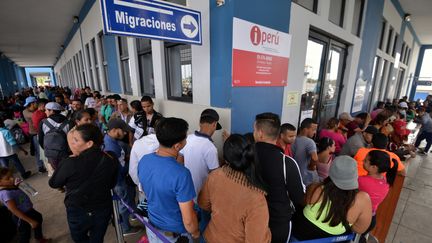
x=88 y=226
x=24 y=228
x=424 y=135
x=127 y=194
x=4 y=162
x=153 y=238
x=39 y=162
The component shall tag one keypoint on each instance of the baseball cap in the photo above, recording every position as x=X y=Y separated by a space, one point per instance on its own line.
x=343 y=173
x=371 y=129
x=53 y=106
x=29 y=100
x=212 y=114
x=403 y=105
x=345 y=116
x=118 y=123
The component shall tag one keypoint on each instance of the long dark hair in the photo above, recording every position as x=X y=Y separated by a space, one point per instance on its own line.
x=337 y=200
x=240 y=156
x=382 y=160
x=324 y=143
x=90 y=132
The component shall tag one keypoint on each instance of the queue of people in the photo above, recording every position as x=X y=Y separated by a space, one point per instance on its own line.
x=276 y=184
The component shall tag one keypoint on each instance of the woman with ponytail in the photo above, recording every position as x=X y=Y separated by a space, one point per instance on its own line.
x=235 y=196
x=381 y=175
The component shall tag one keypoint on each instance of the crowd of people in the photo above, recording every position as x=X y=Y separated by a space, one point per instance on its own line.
x=275 y=184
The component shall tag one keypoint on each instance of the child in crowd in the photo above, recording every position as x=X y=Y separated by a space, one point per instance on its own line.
x=8 y=147
x=20 y=205
x=326 y=149
x=377 y=163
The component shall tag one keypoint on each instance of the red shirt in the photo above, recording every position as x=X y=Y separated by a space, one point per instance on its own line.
x=38 y=116
x=287 y=150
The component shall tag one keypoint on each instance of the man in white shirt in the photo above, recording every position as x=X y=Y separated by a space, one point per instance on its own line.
x=200 y=155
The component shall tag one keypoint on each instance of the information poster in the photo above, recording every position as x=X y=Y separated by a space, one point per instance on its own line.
x=260 y=55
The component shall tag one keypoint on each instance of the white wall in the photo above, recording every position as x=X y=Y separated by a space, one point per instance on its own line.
x=301 y=22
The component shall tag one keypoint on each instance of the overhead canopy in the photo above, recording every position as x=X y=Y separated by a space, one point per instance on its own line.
x=31 y=32
x=421 y=18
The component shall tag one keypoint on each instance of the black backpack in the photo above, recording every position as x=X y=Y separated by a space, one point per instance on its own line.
x=55 y=141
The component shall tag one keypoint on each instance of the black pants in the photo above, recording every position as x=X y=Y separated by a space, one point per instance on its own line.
x=88 y=226
x=280 y=231
x=32 y=145
x=421 y=137
x=24 y=228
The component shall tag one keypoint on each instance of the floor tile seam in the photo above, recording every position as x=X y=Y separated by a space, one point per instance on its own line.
x=419 y=232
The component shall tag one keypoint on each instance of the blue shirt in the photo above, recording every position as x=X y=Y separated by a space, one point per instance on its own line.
x=165 y=183
x=112 y=145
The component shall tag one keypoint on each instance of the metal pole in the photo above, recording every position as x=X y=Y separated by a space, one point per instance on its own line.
x=116 y=213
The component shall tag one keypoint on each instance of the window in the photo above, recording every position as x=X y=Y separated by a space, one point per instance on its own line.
x=358 y=17
x=179 y=2
x=308 y=4
x=408 y=56
x=145 y=63
x=403 y=52
x=389 y=39
x=336 y=14
x=394 y=45
x=179 y=71
x=104 y=62
x=383 y=27
x=89 y=66
x=81 y=65
x=96 y=64
x=124 y=63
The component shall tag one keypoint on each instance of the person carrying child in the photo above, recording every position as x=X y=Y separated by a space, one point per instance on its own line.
x=20 y=205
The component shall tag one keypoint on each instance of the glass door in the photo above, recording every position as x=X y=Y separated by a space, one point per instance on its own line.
x=325 y=63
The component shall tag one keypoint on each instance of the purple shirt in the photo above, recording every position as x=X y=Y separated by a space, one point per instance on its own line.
x=21 y=199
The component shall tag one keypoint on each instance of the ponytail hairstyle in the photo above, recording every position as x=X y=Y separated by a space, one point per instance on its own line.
x=382 y=160
x=324 y=143
x=240 y=156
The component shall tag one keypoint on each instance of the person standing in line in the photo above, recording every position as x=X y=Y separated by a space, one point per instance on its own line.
x=168 y=185
x=143 y=122
x=31 y=107
x=358 y=140
x=326 y=149
x=305 y=151
x=281 y=175
x=8 y=147
x=52 y=134
x=235 y=194
x=332 y=132
x=286 y=138
x=200 y=155
x=123 y=111
x=88 y=176
x=117 y=130
x=76 y=106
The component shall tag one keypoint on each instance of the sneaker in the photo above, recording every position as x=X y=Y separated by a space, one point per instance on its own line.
x=422 y=152
x=42 y=170
x=26 y=175
x=132 y=231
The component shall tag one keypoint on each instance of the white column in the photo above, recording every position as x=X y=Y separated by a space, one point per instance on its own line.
x=133 y=66
x=159 y=70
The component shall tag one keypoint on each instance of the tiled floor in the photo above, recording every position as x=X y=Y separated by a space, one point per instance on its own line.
x=412 y=222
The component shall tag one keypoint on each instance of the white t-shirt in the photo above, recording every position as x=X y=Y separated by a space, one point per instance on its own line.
x=200 y=157
x=145 y=145
x=90 y=102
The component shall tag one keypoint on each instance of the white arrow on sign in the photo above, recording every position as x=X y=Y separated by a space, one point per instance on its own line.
x=148 y=8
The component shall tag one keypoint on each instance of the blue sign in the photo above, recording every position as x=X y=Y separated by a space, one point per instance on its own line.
x=151 y=19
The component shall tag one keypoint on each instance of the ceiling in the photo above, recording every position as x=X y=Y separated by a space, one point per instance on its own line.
x=31 y=32
x=421 y=18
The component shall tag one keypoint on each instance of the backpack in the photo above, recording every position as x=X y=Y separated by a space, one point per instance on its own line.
x=18 y=134
x=55 y=141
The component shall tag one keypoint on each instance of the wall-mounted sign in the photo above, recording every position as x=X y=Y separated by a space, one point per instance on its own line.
x=260 y=55
x=292 y=98
x=149 y=19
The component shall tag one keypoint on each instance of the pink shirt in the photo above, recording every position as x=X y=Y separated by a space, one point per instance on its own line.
x=376 y=188
x=339 y=139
